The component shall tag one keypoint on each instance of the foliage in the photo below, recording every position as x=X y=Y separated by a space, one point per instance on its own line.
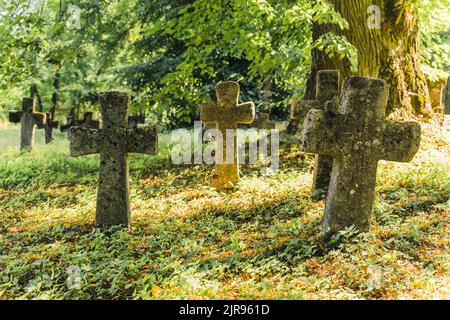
x=169 y=53
x=435 y=33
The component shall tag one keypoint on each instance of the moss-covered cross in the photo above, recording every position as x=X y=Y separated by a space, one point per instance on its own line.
x=28 y=119
x=226 y=116
x=357 y=137
x=114 y=141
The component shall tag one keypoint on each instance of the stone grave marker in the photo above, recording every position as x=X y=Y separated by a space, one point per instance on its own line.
x=263 y=122
x=327 y=99
x=357 y=137
x=226 y=116
x=114 y=141
x=28 y=119
x=446 y=97
x=50 y=125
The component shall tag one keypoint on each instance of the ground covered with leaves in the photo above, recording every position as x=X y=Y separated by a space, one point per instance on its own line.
x=188 y=241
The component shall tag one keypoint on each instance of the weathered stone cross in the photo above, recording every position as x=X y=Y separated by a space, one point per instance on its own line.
x=263 y=122
x=327 y=99
x=28 y=119
x=446 y=97
x=114 y=141
x=226 y=116
x=49 y=126
x=357 y=137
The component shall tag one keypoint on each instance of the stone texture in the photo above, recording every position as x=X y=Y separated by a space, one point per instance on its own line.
x=28 y=119
x=357 y=137
x=327 y=99
x=446 y=97
x=227 y=115
x=263 y=122
x=114 y=141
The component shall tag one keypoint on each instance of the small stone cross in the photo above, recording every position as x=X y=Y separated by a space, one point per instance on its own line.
x=226 y=116
x=263 y=122
x=327 y=99
x=114 y=141
x=357 y=137
x=28 y=119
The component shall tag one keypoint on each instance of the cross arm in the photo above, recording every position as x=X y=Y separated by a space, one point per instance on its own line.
x=84 y=141
x=321 y=133
x=143 y=139
x=15 y=116
x=401 y=141
x=245 y=113
x=40 y=118
x=208 y=113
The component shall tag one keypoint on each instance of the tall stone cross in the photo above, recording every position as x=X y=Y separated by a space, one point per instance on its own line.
x=357 y=137
x=226 y=116
x=327 y=99
x=114 y=141
x=263 y=122
x=49 y=126
x=28 y=119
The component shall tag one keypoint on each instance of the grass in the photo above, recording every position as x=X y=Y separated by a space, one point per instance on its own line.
x=188 y=241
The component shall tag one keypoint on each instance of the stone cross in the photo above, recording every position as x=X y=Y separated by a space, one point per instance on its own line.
x=226 y=116
x=263 y=122
x=357 y=137
x=327 y=99
x=446 y=97
x=114 y=141
x=28 y=119
x=49 y=126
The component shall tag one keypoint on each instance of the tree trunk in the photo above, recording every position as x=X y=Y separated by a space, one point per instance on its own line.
x=51 y=121
x=390 y=53
x=34 y=92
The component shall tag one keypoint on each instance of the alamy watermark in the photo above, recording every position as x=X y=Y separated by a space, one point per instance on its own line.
x=229 y=147
x=374 y=19
x=74 y=17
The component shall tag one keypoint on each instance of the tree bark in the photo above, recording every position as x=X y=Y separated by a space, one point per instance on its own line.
x=390 y=53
